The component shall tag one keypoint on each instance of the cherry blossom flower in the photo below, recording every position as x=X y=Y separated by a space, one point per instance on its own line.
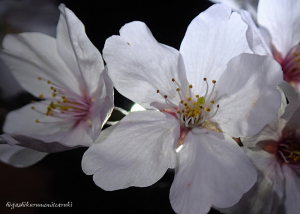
x=277 y=34
x=68 y=75
x=275 y=151
x=194 y=100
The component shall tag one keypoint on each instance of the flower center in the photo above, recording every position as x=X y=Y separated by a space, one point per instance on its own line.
x=65 y=104
x=291 y=65
x=289 y=150
x=193 y=110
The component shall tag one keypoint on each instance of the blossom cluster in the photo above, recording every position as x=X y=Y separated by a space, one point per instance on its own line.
x=223 y=111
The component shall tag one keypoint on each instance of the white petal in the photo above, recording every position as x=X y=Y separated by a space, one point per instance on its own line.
x=87 y=55
x=33 y=55
x=64 y=44
x=282 y=19
x=272 y=132
x=137 y=151
x=248 y=95
x=19 y=156
x=139 y=66
x=212 y=171
x=255 y=38
x=262 y=198
x=49 y=129
x=103 y=105
x=23 y=121
x=212 y=39
x=292 y=190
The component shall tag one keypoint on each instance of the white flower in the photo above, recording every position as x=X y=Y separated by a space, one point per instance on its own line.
x=209 y=90
x=69 y=75
x=275 y=152
x=277 y=35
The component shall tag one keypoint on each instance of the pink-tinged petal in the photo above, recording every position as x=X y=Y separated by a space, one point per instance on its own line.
x=282 y=19
x=255 y=38
x=247 y=94
x=103 y=105
x=293 y=98
x=262 y=197
x=212 y=39
x=292 y=190
x=212 y=171
x=19 y=156
x=137 y=151
x=22 y=122
x=87 y=55
x=139 y=66
x=33 y=55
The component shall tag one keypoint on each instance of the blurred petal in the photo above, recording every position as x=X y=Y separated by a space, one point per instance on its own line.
x=19 y=156
x=282 y=19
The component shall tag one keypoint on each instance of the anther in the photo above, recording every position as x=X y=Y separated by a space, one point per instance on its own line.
x=218 y=106
x=53 y=95
x=181 y=101
x=204 y=79
x=37 y=121
x=173 y=80
x=190 y=86
x=32 y=107
x=39 y=78
x=157 y=91
x=165 y=96
x=41 y=96
x=189 y=99
x=48 y=81
x=207 y=109
x=212 y=102
x=178 y=89
x=214 y=81
x=197 y=96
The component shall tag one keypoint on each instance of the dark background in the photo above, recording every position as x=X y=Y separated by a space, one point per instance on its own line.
x=58 y=177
